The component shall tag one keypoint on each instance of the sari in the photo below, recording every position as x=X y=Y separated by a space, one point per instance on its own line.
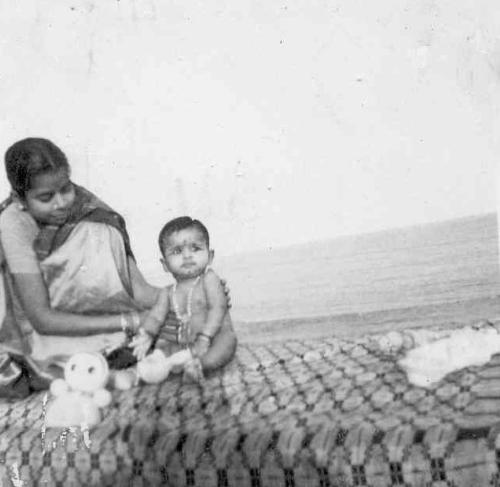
x=84 y=264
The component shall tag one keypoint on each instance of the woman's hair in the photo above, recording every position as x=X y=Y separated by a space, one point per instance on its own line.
x=181 y=223
x=30 y=157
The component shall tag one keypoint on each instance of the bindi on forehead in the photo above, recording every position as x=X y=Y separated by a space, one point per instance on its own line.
x=185 y=237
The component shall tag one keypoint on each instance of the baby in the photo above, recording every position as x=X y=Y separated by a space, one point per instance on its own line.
x=204 y=339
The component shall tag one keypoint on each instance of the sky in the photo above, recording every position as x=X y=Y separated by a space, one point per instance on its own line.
x=275 y=123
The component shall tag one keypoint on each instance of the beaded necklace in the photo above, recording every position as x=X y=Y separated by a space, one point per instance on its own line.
x=183 y=332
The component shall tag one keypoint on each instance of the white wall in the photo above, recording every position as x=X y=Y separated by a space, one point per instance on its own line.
x=274 y=122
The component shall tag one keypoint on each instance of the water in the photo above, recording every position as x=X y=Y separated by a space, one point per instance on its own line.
x=435 y=263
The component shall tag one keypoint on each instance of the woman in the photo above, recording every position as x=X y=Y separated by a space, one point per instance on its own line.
x=69 y=278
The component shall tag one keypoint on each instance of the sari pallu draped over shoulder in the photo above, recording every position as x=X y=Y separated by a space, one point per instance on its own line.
x=84 y=264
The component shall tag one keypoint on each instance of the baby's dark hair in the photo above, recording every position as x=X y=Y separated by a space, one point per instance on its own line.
x=30 y=157
x=181 y=223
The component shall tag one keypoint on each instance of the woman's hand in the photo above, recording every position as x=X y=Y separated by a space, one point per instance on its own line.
x=227 y=292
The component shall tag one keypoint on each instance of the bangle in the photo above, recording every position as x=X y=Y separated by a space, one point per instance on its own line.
x=136 y=320
x=130 y=322
x=123 y=323
x=204 y=335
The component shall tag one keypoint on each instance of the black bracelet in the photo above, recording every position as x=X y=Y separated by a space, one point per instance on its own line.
x=204 y=335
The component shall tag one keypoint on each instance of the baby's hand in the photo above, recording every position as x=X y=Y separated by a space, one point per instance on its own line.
x=141 y=344
x=201 y=345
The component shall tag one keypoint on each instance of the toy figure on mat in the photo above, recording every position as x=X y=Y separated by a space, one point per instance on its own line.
x=205 y=339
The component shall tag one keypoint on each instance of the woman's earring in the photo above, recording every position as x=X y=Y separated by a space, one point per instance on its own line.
x=15 y=198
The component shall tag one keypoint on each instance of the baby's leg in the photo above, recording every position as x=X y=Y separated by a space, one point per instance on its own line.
x=219 y=354
x=221 y=350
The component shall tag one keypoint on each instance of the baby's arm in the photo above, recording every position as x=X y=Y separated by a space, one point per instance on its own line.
x=152 y=324
x=216 y=310
x=216 y=303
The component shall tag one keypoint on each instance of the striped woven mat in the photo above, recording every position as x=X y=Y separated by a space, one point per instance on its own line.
x=323 y=412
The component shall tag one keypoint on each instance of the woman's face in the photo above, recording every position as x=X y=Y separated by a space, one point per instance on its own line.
x=50 y=197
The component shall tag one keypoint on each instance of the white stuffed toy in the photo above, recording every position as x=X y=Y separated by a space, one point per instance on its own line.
x=156 y=367
x=78 y=397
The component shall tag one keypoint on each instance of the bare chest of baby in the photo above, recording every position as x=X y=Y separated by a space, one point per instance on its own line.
x=199 y=309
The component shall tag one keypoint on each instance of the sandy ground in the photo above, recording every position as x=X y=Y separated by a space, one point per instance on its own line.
x=446 y=315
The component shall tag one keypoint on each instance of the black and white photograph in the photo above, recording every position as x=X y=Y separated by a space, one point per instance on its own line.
x=249 y=243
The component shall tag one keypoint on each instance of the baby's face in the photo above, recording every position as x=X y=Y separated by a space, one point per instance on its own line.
x=186 y=253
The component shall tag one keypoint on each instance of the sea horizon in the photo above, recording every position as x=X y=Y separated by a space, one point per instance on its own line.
x=397 y=228
x=428 y=264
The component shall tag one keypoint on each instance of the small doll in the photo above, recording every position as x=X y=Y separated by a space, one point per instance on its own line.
x=78 y=397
